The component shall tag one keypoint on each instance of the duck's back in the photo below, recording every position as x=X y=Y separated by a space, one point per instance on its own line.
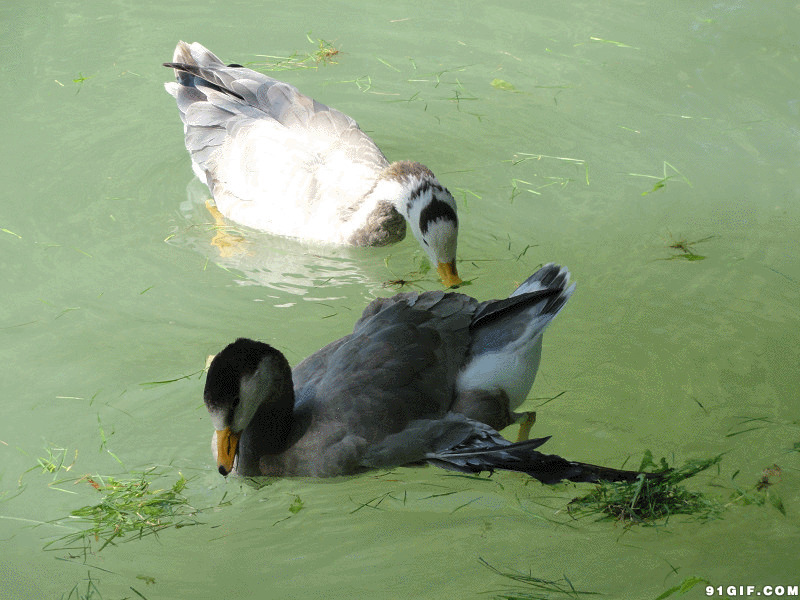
x=273 y=158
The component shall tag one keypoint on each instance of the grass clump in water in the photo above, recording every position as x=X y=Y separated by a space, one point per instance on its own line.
x=326 y=54
x=650 y=498
x=128 y=506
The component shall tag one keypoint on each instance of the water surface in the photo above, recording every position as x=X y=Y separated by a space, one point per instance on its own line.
x=612 y=132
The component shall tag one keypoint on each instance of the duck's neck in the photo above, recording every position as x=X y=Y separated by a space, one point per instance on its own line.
x=399 y=182
x=269 y=430
x=392 y=201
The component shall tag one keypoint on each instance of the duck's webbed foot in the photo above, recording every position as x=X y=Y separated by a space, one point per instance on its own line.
x=229 y=244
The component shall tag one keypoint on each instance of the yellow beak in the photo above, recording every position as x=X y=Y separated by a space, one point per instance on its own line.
x=227 y=446
x=448 y=274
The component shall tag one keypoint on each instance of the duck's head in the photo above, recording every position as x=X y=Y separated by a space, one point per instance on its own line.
x=430 y=210
x=244 y=376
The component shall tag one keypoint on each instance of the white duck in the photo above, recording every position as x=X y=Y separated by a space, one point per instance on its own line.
x=425 y=377
x=281 y=162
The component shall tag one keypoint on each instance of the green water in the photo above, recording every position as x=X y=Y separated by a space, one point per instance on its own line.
x=631 y=127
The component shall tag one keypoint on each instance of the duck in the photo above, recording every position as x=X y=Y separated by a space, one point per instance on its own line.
x=278 y=161
x=426 y=377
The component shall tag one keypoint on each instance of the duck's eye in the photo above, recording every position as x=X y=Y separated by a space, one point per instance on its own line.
x=235 y=402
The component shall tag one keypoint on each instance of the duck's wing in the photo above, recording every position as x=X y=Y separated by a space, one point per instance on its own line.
x=399 y=365
x=257 y=140
x=400 y=362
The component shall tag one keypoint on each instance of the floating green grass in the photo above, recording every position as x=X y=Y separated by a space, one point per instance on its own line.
x=465 y=195
x=56 y=461
x=523 y=157
x=562 y=182
x=611 y=42
x=661 y=182
x=295 y=507
x=8 y=231
x=173 y=380
x=387 y=64
x=129 y=509
x=686 y=585
x=79 y=80
x=530 y=587
x=648 y=500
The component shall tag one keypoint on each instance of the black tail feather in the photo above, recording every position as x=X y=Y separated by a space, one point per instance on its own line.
x=189 y=75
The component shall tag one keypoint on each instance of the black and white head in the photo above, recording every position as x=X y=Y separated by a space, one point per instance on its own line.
x=430 y=210
x=245 y=375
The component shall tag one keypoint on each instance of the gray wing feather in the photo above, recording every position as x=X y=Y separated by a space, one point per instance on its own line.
x=212 y=95
x=205 y=114
x=398 y=366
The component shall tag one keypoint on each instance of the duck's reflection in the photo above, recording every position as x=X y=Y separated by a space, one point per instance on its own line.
x=256 y=258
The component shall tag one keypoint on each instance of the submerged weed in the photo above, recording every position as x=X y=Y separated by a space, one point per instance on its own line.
x=686 y=249
x=92 y=592
x=649 y=499
x=761 y=493
x=502 y=84
x=78 y=593
x=536 y=588
x=423 y=268
x=128 y=506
